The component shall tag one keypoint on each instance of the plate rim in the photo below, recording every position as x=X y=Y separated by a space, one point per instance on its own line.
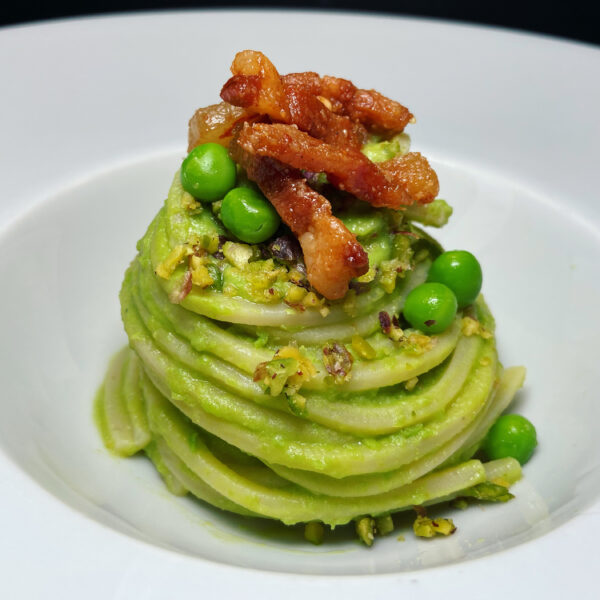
x=582 y=523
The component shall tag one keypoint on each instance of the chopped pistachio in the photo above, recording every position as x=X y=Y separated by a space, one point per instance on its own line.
x=288 y=370
x=189 y=203
x=338 y=362
x=306 y=370
x=216 y=207
x=392 y=269
x=384 y=525
x=201 y=277
x=365 y=529
x=314 y=532
x=471 y=326
x=388 y=276
x=210 y=243
x=368 y=276
x=311 y=300
x=490 y=492
x=396 y=333
x=397 y=266
x=428 y=528
x=417 y=343
x=271 y=294
x=295 y=294
x=296 y=276
x=166 y=268
x=237 y=254
x=275 y=373
x=363 y=348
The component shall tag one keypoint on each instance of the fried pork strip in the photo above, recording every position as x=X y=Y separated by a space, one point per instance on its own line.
x=375 y=111
x=400 y=182
x=317 y=124
x=257 y=86
x=332 y=254
x=215 y=123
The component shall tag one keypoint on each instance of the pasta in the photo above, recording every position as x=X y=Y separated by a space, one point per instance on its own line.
x=259 y=395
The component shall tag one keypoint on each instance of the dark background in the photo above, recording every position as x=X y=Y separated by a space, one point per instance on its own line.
x=576 y=20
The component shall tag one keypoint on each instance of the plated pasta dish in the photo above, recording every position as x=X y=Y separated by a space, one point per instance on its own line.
x=300 y=347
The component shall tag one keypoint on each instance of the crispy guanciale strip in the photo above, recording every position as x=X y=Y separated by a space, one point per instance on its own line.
x=374 y=110
x=257 y=86
x=215 y=123
x=311 y=115
x=332 y=254
x=394 y=184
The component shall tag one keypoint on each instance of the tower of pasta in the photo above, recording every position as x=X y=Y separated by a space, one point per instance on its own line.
x=299 y=348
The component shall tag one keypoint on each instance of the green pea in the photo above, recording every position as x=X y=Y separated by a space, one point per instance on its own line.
x=249 y=215
x=430 y=307
x=461 y=272
x=511 y=435
x=208 y=172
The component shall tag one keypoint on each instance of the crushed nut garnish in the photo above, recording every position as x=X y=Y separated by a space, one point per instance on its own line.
x=384 y=525
x=428 y=528
x=190 y=204
x=470 y=326
x=177 y=255
x=338 y=361
x=390 y=326
x=365 y=529
x=286 y=373
x=237 y=254
x=418 y=343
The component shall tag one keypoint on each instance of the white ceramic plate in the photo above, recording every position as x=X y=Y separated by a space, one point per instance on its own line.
x=93 y=124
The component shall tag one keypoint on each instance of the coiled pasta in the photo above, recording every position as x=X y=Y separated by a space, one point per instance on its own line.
x=396 y=428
